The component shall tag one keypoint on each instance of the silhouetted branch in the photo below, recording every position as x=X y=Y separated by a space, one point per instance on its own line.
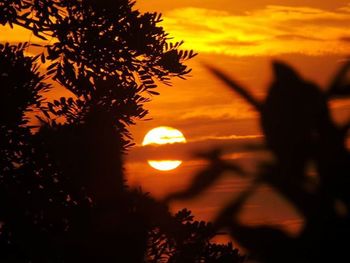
x=299 y=131
x=206 y=177
x=235 y=87
x=338 y=86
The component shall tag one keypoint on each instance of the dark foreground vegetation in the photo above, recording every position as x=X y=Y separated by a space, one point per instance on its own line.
x=63 y=197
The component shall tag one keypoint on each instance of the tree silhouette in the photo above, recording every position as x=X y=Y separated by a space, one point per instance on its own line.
x=63 y=197
x=298 y=131
x=190 y=243
x=104 y=52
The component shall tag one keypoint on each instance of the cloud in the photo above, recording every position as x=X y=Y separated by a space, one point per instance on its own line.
x=273 y=30
x=233 y=147
x=297 y=37
x=345 y=38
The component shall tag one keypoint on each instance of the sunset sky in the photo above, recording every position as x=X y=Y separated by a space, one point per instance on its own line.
x=241 y=38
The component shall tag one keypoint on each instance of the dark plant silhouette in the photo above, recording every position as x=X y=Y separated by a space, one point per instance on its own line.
x=299 y=131
x=190 y=242
x=63 y=197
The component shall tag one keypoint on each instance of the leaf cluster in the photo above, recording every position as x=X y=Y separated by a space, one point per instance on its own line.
x=107 y=54
x=190 y=241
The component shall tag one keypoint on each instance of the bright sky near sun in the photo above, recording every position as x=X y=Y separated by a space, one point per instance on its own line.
x=241 y=38
x=258 y=28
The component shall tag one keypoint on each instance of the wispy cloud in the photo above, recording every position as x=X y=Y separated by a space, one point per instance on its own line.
x=273 y=30
x=233 y=146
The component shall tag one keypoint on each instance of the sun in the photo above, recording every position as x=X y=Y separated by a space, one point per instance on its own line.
x=164 y=135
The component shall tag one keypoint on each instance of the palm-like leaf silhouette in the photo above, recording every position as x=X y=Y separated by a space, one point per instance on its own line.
x=298 y=130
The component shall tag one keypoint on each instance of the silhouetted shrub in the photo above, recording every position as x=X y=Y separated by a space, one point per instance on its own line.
x=63 y=197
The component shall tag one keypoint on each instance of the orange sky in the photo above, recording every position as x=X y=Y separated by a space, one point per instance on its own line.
x=241 y=38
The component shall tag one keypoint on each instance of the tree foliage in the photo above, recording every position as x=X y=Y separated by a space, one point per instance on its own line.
x=63 y=196
x=105 y=52
x=191 y=242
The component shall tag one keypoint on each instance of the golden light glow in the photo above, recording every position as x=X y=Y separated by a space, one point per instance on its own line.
x=165 y=165
x=272 y=30
x=164 y=135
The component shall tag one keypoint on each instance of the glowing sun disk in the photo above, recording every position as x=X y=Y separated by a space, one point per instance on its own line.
x=164 y=135
x=165 y=165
